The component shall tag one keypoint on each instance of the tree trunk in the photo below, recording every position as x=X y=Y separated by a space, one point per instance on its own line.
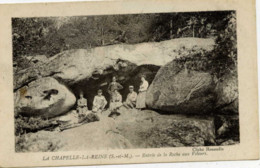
x=171 y=28
x=102 y=37
x=193 y=33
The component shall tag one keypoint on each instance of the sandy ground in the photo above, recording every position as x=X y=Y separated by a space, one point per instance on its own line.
x=128 y=130
x=102 y=134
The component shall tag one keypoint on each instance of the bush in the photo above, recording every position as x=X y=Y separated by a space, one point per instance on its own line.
x=31 y=124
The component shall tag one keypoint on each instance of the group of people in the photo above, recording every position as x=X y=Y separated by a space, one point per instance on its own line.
x=133 y=99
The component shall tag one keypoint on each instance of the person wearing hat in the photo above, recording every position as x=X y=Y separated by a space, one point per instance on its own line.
x=112 y=87
x=99 y=102
x=82 y=104
x=131 y=98
x=140 y=101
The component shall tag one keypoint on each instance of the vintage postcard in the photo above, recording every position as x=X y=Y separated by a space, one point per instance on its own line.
x=115 y=82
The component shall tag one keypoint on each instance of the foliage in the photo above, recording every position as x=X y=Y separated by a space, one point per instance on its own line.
x=49 y=36
x=223 y=58
x=225 y=53
x=29 y=35
x=25 y=141
x=31 y=124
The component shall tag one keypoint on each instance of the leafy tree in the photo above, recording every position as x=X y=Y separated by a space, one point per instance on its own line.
x=223 y=58
x=225 y=52
x=192 y=22
x=29 y=34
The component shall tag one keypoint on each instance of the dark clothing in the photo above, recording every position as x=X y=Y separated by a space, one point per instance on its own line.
x=114 y=86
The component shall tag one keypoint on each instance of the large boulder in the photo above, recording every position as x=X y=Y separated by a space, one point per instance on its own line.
x=73 y=66
x=149 y=129
x=44 y=97
x=227 y=94
x=178 y=90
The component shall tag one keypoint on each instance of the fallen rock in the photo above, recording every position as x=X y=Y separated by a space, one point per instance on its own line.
x=227 y=94
x=177 y=90
x=44 y=97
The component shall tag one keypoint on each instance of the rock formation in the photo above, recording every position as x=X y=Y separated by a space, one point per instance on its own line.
x=227 y=94
x=89 y=70
x=44 y=97
x=74 y=65
x=176 y=90
x=49 y=89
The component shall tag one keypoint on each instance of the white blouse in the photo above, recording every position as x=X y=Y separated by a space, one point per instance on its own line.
x=144 y=86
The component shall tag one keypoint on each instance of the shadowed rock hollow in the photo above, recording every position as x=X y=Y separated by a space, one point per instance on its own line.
x=126 y=76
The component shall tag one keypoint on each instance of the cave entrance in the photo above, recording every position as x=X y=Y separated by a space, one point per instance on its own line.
x=132 y=76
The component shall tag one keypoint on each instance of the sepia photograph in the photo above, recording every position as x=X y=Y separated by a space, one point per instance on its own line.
x=128 y=82
x=125 y=81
